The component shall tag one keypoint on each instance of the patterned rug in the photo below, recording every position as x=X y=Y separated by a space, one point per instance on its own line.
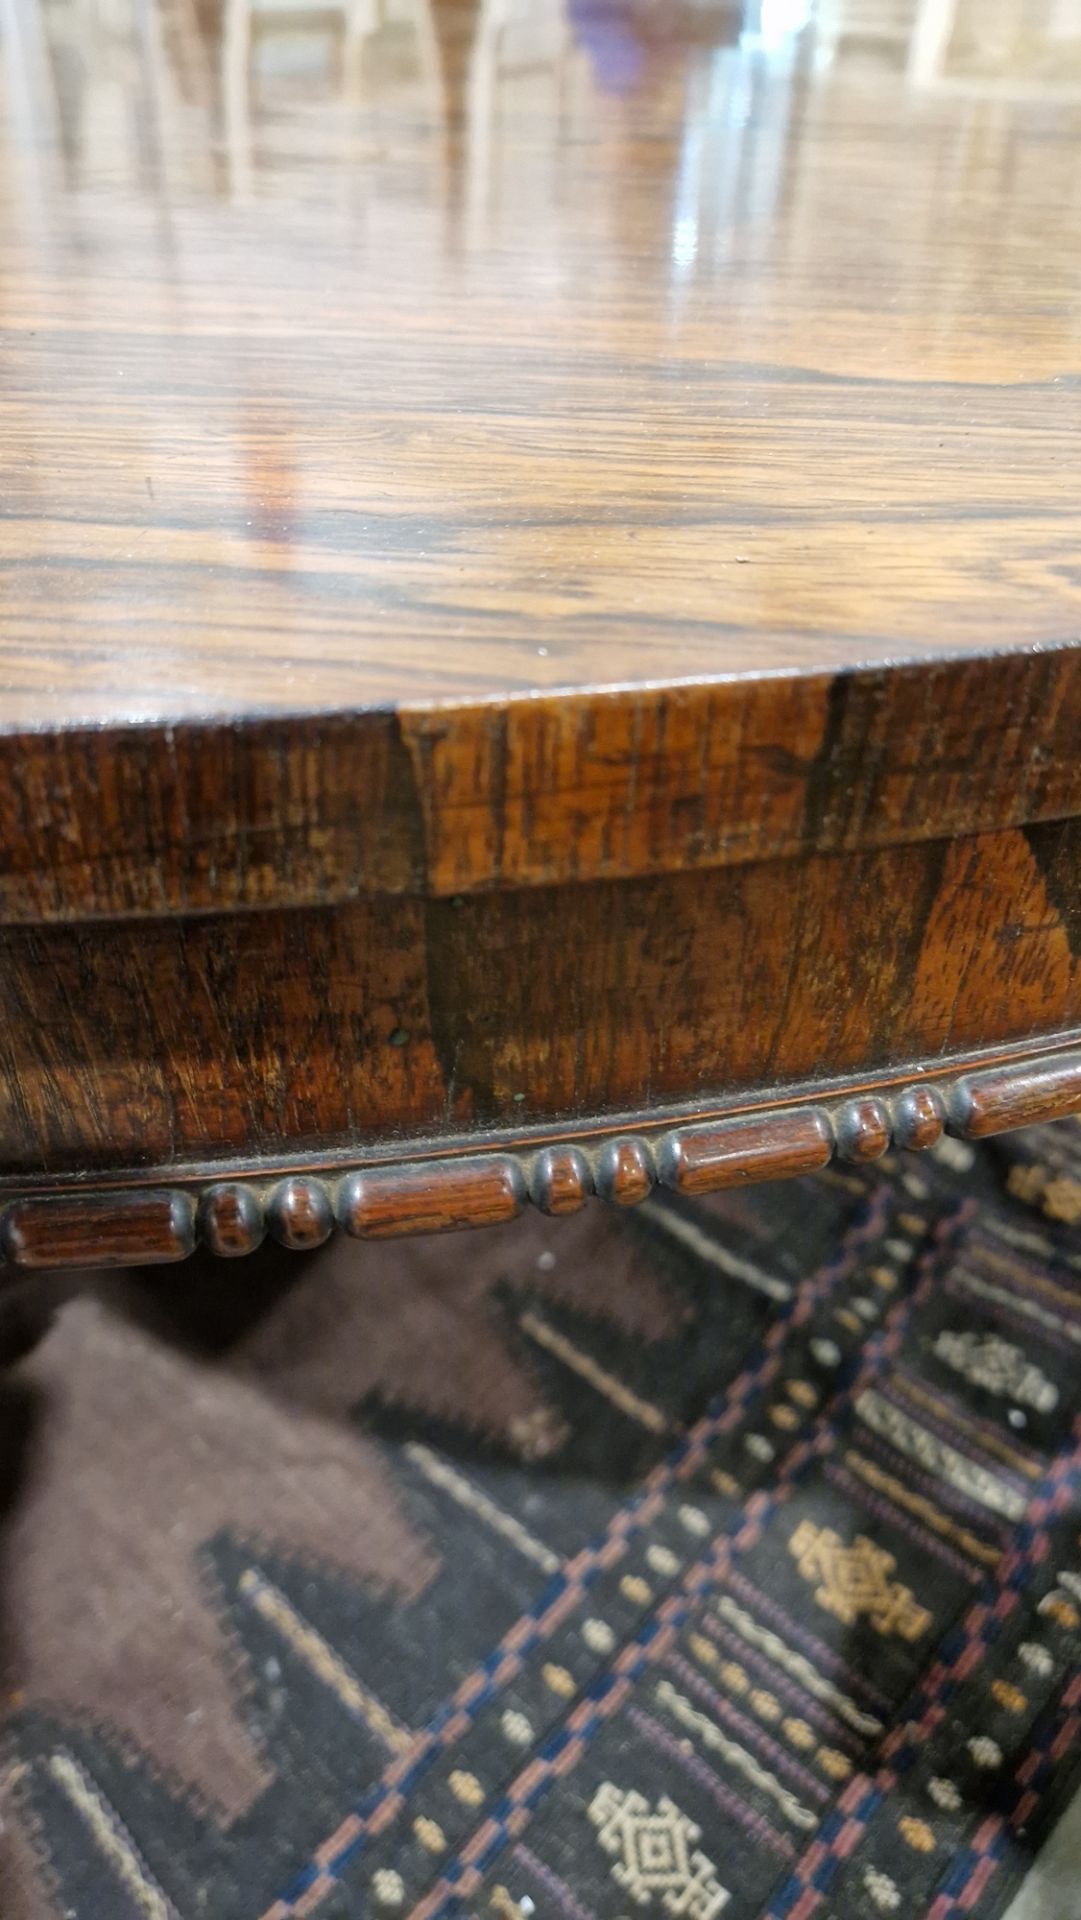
x=715 y=1559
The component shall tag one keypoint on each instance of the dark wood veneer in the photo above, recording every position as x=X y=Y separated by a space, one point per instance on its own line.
x=515 y=682
x=490 y=1183
x=96 y=1230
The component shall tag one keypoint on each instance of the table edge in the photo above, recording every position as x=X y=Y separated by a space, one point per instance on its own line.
x=441 y=799
x=157 y=1216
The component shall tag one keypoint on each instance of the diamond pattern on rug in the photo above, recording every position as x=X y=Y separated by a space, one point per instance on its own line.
x=720 y=1558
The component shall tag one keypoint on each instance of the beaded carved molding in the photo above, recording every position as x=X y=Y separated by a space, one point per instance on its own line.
x=484 y=1183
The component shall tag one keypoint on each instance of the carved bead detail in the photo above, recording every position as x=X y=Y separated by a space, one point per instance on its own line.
x=561 y=1180
x=625 y=1172
x=1021 y=1096
x=99 y=1230
x=863 y=1130
x=432 y=1197
x=490 y=1185
x=735 y=1153
x=919 y=1117
x=300 y=1213
x=231 y=1220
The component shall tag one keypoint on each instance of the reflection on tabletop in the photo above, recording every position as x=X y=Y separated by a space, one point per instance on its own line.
x=226 y=96
x=340 y=329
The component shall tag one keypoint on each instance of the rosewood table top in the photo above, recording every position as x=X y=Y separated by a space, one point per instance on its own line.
x=540 y=602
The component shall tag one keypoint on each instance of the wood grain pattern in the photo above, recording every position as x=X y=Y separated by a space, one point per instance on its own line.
x=539 y=604
x=119 y=823
x=433 y=1199
x=742 y=1152
x=562 y=1180
x=144 y=1043
x=143 y=1229
x=1016 y=1097
x=864 y=1131
x=338 y=435
x=299 y=1214
x=231 y=1220
x=919 y=1118
x=623 y=1173
x=442 y=1191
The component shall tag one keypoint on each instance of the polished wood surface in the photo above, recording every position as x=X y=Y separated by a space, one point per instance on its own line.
x=436 y=350
x=540 y=616
x=143 y=1229
x=469 y=1186
x=326 y=809
x=371 y=371
x=248 y=1036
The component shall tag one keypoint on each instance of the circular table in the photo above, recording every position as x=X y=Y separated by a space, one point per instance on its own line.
x=539 y=645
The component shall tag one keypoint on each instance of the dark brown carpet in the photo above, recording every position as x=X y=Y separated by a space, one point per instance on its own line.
x=715 y=1559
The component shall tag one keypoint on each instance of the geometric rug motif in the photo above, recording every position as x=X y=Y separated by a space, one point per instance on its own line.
x=720 y=1558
